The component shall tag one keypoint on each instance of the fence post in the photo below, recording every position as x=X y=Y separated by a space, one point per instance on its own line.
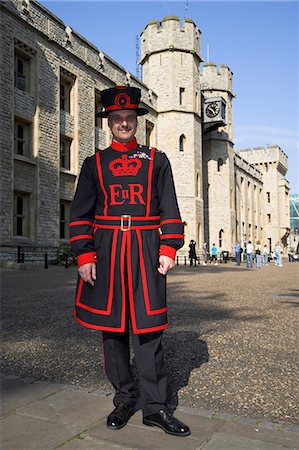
x=185 y=260
x=46 y=260
x=177 y=260
x=19 y=254
x=66 y=266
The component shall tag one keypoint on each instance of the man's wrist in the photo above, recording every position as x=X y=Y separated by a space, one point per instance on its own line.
x=86 y=258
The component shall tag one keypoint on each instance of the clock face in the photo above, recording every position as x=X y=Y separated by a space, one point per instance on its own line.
x=212 y=109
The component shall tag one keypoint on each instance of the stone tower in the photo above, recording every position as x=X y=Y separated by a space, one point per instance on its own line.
x=218 y=162
x=170 y=58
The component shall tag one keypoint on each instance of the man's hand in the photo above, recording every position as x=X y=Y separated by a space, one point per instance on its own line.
x=166 y=264
x=88 y=272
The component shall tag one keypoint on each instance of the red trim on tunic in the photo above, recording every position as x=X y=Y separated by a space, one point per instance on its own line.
x=112 y=266
x=130 y=281
x=85 y=258
x=81 y=236
x=124 y=146
x=166 y=250
x=122 y=275
x=107 y=311
x=149 y=182
x=149 y=311
x=100 y=175
x=81 y=222
x=163 y=222
x=150 y=330
x=97 y=327
x=170 y=236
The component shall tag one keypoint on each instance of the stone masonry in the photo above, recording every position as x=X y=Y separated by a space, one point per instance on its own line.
x=223 y=195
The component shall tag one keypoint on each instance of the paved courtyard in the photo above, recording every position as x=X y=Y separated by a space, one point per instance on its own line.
x=230 y=348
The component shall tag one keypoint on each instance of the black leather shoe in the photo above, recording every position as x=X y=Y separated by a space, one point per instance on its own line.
x=120 y=416
x=168 y=423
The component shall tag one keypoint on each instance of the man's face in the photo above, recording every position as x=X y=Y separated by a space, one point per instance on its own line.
x=123 y=124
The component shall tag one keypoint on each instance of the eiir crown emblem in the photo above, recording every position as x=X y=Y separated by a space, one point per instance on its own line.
x=124 y=166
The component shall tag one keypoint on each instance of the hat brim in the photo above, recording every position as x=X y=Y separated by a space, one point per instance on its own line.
x=139 y=111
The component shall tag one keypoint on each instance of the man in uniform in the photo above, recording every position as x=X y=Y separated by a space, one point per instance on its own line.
x=125 y=230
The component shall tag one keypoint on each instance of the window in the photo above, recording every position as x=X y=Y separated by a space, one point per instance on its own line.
x=64 y=219
x=65 y=153
x=182 y=143
x=22 y=138
x=269 y=218
x=149 y=126
x=22 y=71
x=98 y=107
x=182 y=96
x=67 y=81
x=221 y=234
x=219 y=164
x=196 y=105
x=21 y=214
x=268 y=197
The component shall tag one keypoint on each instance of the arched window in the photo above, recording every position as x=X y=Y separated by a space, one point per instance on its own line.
x=221 y=234
x=219 y=164
x=182 y=143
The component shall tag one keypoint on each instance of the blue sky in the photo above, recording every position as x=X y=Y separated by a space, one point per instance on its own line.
x=258 y=40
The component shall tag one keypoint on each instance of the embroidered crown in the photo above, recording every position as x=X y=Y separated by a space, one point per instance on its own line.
x=124 y=166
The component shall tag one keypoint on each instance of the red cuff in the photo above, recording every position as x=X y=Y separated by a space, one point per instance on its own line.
x=165 y=250
x=85 y=258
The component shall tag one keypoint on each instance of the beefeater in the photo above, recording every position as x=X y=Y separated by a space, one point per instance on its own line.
x=125 y=230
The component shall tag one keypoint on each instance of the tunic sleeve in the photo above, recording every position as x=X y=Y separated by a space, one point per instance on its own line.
x=172 y=229
x=82 y=217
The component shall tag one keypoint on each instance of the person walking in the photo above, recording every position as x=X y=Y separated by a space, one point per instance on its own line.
x=125 y=230
x=214 y=254
x=238 y=253
x=265 y=256
x=192 y=252
x=258 y=255
x=278 y=251
x=205 y=253
x=249 y=251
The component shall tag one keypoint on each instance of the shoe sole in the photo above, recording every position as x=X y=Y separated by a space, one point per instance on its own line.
x=154 y=424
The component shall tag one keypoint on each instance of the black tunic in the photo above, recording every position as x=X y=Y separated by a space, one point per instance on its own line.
x=125 y=214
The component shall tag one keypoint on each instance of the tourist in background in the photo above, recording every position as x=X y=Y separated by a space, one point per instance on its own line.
x=214 y=254
x=258 y=255
x=192 y=252
x=205 y=253
x=278 y=251
x=266 y=255
x=249 y=250
x=238 y=253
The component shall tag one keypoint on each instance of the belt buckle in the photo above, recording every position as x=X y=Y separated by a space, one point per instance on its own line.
x=125 y=217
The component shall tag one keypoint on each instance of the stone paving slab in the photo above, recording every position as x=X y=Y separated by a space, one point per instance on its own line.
x=142 y=437
x=19 y=395
x=289 y=440
x=69 y=407
x=222 y=441
x=20 y=432
x=91 y=444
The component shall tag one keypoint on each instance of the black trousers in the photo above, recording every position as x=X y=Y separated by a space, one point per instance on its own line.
x=150 y=366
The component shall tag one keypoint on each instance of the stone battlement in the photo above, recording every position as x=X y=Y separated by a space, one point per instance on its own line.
x=217 y=79
x=169 y=35
x=54 y=30
x=271 y=153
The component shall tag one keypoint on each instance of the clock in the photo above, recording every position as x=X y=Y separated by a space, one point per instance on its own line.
x=212 y=109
